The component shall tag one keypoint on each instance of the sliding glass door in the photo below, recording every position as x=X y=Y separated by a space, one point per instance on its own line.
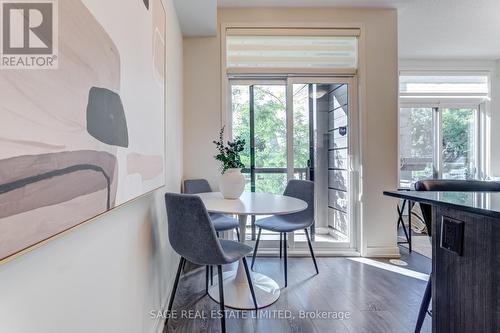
x=324 y=150
x=302 y=128
x=259 y=117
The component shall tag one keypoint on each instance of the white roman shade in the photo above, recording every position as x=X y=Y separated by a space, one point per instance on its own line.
x=292 y=51
x=444 y=85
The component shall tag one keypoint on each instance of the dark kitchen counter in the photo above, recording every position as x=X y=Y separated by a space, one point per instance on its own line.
x=482 y=203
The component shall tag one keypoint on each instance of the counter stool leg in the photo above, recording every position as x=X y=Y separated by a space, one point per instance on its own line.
x=401 y=221
x=410 y=206
x=424 y=306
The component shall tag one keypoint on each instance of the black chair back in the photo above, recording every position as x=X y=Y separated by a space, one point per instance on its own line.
x=453 y=185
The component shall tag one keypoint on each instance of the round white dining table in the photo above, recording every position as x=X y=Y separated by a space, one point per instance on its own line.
x=236 y=290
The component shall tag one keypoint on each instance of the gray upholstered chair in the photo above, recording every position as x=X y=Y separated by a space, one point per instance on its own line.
x=444 y=185
x=192 y=236
x=300 y=189
x=221 y=222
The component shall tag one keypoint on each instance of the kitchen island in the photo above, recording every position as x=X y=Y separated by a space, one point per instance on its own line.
x=465 y=259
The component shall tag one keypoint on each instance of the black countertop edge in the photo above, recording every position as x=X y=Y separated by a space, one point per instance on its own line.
x=415 y=198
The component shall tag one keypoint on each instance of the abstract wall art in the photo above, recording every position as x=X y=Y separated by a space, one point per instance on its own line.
x=86 y=137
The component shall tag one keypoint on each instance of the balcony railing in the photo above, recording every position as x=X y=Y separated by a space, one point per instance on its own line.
x=302 y=173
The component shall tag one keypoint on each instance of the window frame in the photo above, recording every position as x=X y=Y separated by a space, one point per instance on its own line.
x=481 y=102
x=437 y=136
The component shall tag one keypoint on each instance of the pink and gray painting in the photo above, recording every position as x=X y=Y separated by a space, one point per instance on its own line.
x=81 y=139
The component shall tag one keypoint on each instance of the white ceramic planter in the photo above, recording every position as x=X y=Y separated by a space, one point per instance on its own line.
x=232 y=183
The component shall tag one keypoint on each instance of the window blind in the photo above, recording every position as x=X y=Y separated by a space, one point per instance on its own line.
x=291 y=50
x=414 y=84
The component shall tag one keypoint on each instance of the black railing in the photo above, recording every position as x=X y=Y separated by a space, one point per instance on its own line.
x=303 y=175
x=301 y=171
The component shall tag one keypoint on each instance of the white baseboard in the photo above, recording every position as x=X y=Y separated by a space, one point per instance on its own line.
x=381 y=252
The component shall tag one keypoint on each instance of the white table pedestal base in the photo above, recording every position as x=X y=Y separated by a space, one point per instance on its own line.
x=237 y=294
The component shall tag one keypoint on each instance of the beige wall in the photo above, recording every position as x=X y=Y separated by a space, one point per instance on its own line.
x=378 y=77
x=107 y=275
x=202 y=107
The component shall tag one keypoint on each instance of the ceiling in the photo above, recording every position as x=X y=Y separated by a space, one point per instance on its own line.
x=451 y=29
x=197 y=18
x=428 y=29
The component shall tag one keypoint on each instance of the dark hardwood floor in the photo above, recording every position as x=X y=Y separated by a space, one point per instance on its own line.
x=377 y=299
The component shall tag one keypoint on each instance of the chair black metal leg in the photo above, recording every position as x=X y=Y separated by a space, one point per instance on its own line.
x=238 y=234
x=211 y=275
x=252 y=224
x=221 y=300
x=256 y=247
x=312 y=252
x=284 y=253
x=281 y=248
x=174 y=288
x=217 y=233
x=206 y=278
x=424 y=306
x=250 y=284
x=184 y=266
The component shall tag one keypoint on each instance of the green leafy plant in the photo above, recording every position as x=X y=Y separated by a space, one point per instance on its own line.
x=229 y=154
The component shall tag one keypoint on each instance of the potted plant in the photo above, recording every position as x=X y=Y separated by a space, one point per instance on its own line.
x=231 y=182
